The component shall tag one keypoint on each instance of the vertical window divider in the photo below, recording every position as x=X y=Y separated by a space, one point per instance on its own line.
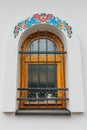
x=38 y=65
x=21 y=78
x=47 y=64
x=29 y=70
x=55 y=73
x=64 y=74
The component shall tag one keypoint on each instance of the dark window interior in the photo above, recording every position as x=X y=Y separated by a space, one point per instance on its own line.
x=42 y=76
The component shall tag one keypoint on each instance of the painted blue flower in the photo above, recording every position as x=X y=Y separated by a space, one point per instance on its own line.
x=53 y=21
x=27 y=22
x=32 y=21
x=65 y=29
x=57 y=19
x=20 y=29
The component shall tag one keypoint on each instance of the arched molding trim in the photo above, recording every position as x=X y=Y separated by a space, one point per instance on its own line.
x=43 y=27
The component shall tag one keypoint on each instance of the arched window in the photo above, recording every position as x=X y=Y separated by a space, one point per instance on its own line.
x=42 y=75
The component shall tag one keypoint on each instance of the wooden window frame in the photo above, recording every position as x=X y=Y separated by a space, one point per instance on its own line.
x=61 y=68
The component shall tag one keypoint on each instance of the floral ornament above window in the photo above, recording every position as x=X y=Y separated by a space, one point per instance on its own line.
x=43 y=18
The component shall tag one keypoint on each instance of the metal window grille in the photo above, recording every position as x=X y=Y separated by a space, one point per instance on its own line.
x=43 y=90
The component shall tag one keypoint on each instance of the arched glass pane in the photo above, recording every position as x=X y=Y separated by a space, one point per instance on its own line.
x=34 y=46
x=51 y=46
x=42 y=45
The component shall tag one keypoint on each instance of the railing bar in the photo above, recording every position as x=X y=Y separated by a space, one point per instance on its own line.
x=20 y=96
x=43 y=109
x=66 y=89
x=40 y=99
x=42 y=52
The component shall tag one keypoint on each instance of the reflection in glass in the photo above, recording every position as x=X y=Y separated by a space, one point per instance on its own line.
x=42 y=45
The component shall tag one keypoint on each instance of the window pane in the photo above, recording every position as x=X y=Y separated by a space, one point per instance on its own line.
x=50 y=46
x=47 y=76
x=34 y=46
x=42 y=76
x=51 y=76
x=42 y=45
x=33 y=76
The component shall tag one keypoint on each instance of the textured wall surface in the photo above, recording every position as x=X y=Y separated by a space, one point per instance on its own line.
x=72 y=11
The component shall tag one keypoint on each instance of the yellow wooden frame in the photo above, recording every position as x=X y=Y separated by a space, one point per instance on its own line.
x=25 y=60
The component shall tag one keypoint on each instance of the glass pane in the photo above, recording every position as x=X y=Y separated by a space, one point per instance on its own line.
x=50 y=46
x=33 y=76
x=42 y=45
x=34 y=46
x=51 y=76
x=47 y=76
x=42 y=76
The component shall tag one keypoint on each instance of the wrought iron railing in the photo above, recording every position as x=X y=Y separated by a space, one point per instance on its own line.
x=42 y=105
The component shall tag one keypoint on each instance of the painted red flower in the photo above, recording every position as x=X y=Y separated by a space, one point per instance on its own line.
x=50 y=15
x=36 y=16
x=43 y=17
x=23 y=25
x=68 y=27
x=17 y=27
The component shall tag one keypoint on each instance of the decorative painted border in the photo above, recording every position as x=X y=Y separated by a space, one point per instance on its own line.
x=43 y=18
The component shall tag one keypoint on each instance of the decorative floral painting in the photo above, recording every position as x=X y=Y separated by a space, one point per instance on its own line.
x=43 y=18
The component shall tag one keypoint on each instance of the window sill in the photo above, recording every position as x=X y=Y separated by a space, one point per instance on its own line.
x=57 y=111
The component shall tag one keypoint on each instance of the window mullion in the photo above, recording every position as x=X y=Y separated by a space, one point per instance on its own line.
x=29 y=73
x=55 y=70
x=47 y=66
x=38 y=68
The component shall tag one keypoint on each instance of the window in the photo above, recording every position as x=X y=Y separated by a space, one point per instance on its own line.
x=42 y=75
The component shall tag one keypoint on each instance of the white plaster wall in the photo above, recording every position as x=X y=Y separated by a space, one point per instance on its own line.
x=72 y=11
x=74 y=70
